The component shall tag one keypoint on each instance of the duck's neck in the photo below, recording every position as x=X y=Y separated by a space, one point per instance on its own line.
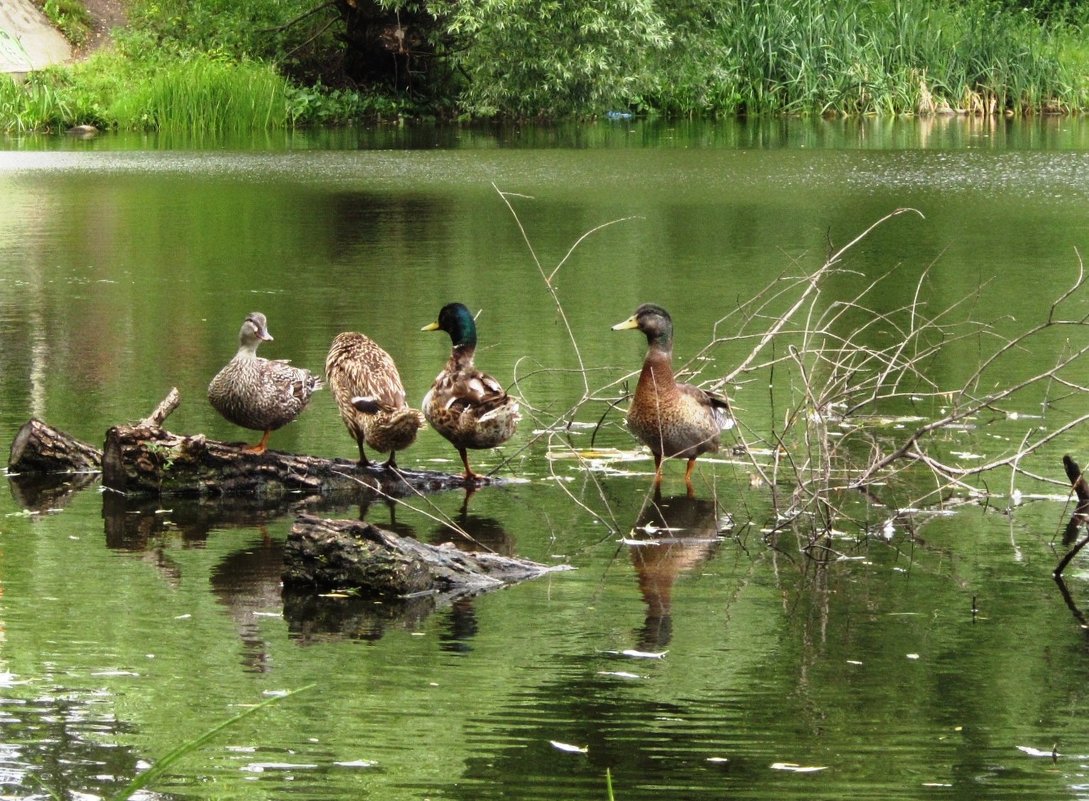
x=657 y=371
x=461 y=357
x=247 y=350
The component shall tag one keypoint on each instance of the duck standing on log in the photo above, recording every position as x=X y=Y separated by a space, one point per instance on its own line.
x=470 y=408
x=260 y=394
x=673 y=420
x=370 y=396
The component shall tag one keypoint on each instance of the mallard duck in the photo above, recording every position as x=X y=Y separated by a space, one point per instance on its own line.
x=370 y=396
x=257 y=393
x=673 y=420
x=468 y=407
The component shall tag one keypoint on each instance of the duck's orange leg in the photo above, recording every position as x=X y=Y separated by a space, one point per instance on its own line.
x=261 y=446
x=688 y=470
x=469 y=474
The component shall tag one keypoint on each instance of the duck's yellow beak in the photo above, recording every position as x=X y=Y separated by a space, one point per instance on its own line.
x=631 y=322
x=431 y=327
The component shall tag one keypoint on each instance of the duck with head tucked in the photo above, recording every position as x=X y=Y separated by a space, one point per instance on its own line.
x=370 y=396
x=256 y=393
x=674 y=420
x=470 y=408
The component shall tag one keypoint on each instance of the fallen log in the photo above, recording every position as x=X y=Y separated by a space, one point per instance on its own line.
x=39 y=448
x=146 y=459
x=149 y=460
x=323 y=555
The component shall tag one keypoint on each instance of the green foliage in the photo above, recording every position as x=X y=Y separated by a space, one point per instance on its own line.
x=237 y=27
x=846 y=56
x=37 y=103
x=70 y=17
x=284 y=32
x=200 y=94
x=209 y=66
x=531 y=58
x=319 y=105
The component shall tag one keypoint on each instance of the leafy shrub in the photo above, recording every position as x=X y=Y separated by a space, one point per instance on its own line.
x=534 y=58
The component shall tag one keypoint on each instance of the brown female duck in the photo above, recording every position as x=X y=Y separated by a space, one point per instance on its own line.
x=370 y=396
x=468 y=407
x=256 y=393
x=673 y=420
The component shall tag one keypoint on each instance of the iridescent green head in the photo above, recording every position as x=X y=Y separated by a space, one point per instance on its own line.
x=654 y=321
x=456 y=320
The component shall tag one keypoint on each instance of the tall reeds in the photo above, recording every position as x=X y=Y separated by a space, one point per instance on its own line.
x=31 y=105
x=857 y=57
x=194 y=95
x=201 y=95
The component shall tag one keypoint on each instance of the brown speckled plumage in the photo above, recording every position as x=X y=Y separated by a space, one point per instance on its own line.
x=673 y=420
x=260 y=394
x=468 y=407
x=380 y=418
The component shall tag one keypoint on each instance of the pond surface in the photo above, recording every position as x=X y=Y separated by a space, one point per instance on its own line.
x=924 y=656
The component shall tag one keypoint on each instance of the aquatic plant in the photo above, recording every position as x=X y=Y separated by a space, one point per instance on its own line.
x=809 y=56
x=45 y=100
x=200 y=94
x=164 y=763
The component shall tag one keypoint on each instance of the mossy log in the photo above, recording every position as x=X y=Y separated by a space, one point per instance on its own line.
x=146 y=459
x=349 y=555
x=149 y=460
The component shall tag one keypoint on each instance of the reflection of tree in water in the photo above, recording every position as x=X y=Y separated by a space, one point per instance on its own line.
x=49 y=492
x=672 y=536
x=53 y=747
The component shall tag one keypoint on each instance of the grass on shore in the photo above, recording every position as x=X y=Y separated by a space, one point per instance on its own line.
x=891 y=57
x=197 y=94
x=851 y=57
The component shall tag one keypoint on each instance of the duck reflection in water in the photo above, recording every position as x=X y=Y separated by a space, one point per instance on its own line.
x=247 y=583
x=367 y=513
x=672 y=536
x=474 y=533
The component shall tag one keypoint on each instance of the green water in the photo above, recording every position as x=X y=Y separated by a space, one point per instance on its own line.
x=919 y=664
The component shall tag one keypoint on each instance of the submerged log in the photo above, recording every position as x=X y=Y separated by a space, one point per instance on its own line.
x=39 y=448
x=326 y=555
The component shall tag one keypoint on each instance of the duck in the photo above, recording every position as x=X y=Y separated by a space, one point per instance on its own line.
x=368 y=391
x=674 y=420
x=468 y=407
x=256 y=393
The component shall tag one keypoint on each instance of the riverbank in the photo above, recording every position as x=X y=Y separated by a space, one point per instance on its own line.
x=797 y=57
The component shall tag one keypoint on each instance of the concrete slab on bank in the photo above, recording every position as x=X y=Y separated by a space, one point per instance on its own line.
x=27 y=41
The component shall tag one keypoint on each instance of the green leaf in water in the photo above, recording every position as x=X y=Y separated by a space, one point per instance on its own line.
x=160 y=767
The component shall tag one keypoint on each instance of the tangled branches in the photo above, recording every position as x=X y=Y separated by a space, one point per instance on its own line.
x=861 y=408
